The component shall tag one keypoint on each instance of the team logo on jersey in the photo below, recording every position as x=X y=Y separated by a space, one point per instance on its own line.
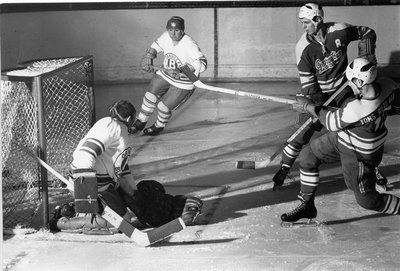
x=172 y=62
x=328 y=62
x=121 y=162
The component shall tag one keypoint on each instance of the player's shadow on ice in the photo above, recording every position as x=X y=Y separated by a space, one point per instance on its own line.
x=190 y=243
x=225 y=207
x=353 y=219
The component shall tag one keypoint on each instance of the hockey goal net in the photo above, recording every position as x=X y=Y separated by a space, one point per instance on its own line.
x=47 y=106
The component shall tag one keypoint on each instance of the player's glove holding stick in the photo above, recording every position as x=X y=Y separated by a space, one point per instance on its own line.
x=302 y=106
x=147 y=60
x=177 y=73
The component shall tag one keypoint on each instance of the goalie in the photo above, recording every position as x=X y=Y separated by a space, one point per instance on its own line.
x=100 y=169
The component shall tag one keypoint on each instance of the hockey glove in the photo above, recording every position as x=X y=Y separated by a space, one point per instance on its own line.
x=174 y=73
x=147 y=60
x=308 y=108
x=371 y=58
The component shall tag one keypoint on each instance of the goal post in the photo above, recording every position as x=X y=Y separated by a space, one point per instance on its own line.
x=47 y=106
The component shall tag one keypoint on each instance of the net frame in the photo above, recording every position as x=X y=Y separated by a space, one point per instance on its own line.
x=47 y=107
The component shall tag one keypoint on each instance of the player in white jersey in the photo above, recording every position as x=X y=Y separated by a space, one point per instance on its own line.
x=356 y=137
x=169 y=88
x=101 y=160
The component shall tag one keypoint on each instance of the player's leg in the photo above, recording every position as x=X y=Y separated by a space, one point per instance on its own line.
x=158 y=87
x=366 y=194
x=321 y=150
x=292 y=150
x=171 y=100
x=154 y=207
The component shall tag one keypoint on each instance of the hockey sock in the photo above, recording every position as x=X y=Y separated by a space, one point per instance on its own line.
x=289 y=154
x=163 y=116
x=148 y=106
x=392 y=204
x=309 y=180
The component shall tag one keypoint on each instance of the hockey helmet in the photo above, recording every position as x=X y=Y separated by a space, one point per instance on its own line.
x=362 y=69
x=176 y=22
x=123 y=111
x=311 y=11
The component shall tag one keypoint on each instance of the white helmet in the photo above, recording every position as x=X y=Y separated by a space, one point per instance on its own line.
x=361 y=69
x=310 y=11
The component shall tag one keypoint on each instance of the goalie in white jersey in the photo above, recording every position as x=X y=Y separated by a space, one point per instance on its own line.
x=100 y=164
x=356 y=137
x=169 y=88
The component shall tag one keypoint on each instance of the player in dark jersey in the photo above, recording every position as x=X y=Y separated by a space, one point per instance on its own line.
x=356 y=136
x=321 y=56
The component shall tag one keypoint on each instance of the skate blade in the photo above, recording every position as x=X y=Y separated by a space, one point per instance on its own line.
x=303 y=223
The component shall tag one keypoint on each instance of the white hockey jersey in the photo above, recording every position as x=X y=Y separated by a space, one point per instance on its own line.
x=185 y=51
x=361 y=122
x=105 y=148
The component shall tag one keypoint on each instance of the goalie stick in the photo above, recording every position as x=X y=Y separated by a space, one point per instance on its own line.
x=140 y=237
x=265 y=163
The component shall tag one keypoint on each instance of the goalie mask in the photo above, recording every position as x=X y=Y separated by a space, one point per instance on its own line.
x=123 y=111
x=363 y=70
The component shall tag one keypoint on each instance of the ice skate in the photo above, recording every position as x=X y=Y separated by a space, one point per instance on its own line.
x=137 y=126
x=153 y=130
x=302 y=216
x=280 y=176
x=380 y=178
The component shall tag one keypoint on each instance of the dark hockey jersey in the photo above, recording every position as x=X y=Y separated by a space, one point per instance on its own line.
x=323 y=67
x=361 y=122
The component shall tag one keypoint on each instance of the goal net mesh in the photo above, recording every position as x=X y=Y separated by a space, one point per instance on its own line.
x=47 y=105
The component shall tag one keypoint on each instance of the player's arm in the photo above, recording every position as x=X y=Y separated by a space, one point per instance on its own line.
x=152 y=52
x=367 y=41
x=309 y=84
x=197 y=62
x=395 y=107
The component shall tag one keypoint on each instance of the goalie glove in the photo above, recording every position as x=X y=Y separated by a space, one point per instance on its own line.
x=147 y=60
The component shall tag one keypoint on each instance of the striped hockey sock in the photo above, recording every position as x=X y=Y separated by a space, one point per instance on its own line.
x=392 y=204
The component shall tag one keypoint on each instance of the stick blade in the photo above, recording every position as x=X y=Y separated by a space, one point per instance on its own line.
x=246 y=164
x=165 y=231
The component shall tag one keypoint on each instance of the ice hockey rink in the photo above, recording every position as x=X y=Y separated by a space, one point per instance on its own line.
x=239 y=228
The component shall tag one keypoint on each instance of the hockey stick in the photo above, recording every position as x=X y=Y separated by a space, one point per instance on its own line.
x=265 y=163
x=192 y=77
x=141 y=238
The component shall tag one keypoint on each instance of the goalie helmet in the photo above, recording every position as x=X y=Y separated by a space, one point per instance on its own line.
x=123 y=111
x=361 y=69
x=176 y=22
x=311 y=11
